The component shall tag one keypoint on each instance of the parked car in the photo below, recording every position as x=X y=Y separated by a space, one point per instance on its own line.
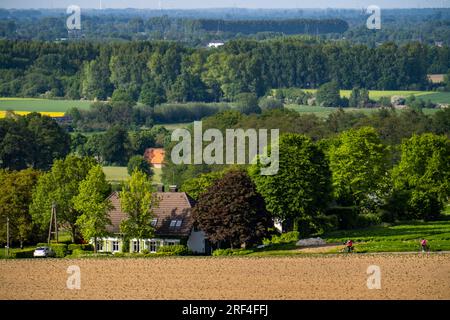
x=43 y=252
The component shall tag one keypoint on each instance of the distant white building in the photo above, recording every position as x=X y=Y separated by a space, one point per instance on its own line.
x=215 y=44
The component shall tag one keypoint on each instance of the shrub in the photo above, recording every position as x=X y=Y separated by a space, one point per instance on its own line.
x=119 y=254
x=87 y=247
x=22 y=254
x=368 y=219
x=325 y=223
x=170 y=113
x=347 y=216
x=74 y=246
x=77 y=253
x=176 y=250
x=59 y=248
x=247 y=103
x=283 y=238
x=145 y=251
x=231 y=252
x=270 y=104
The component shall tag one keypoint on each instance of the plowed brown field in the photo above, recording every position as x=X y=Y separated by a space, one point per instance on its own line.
x=403 y=276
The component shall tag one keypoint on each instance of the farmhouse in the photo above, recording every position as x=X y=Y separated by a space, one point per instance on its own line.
x=435 y=78
x=172 y=221
x=155 y=157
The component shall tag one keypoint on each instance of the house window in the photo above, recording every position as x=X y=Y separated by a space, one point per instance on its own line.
x=115 y=246
x=178 y=224
x=100 y=246
x=136 y=246
x=154 y=222
x=153 y=247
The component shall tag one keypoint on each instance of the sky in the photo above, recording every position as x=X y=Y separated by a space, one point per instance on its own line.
x=194 y=4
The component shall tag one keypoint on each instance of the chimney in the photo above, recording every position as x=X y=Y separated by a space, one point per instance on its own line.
x=173 y=188
x=160 y=187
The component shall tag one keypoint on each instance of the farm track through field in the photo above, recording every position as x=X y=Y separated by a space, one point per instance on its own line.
x=403 y=276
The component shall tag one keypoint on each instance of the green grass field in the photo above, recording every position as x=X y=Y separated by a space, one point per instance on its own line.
x=119 y=174
x=116 y=174
x=324 y=111
x=37 y=105
x=435 y=97
x=403 y=237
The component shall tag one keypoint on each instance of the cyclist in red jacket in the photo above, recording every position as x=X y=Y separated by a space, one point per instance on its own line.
x=349 y=245
x=424 y=245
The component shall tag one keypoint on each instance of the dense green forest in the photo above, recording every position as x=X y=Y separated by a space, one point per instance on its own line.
x=156 y=72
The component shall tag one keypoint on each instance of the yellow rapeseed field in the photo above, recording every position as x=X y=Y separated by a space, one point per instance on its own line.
x=22 y=113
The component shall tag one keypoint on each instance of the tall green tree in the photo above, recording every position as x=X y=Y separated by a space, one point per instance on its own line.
x=94 y=206
x=359 y=165
x=95 y=75
x=16 y=189
x=115 y=146
x=60 y=186
x=301 y=188
x=137 y=201
x=232 y=212
x=139 y=163
x=423 y=175
x=31 y=141
x=328 y=95
x=196 y=186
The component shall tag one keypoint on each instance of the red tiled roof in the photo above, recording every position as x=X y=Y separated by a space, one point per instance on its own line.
x=154 y=155
x=172 y=206
x=436 y=78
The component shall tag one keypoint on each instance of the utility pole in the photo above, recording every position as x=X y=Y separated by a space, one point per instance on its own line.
x=7 y=236
x=53 y=218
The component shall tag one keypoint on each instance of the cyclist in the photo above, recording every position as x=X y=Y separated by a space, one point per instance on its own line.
x=349 y=245
x=424 y=245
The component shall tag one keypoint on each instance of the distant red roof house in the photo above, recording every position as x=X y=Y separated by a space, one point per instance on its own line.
x=155 y=156
x=436 y=78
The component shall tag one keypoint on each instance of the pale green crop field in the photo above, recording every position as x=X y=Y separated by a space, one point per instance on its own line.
x=40 y=105
x=323 y=112
x=435 y=97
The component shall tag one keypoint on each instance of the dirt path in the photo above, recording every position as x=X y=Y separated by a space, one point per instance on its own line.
x=322 y=277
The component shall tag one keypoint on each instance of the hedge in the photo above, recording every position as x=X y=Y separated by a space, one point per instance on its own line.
x=176 y=250
x=84 y=247
x=231 y=252
x=286 y=237
x=22 y=254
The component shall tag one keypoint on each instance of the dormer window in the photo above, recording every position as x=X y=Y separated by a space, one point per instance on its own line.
x=175 y=223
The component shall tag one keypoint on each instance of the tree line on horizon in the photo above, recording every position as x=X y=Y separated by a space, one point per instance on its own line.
x=152 y=73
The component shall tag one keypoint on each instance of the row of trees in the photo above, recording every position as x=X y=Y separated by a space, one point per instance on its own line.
x=156 y=72
x=117 y=145
x=392 y=125
x=31 y=141
x=319 y=184
x=78 y=188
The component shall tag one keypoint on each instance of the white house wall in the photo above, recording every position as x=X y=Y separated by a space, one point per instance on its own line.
x=196 y=241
